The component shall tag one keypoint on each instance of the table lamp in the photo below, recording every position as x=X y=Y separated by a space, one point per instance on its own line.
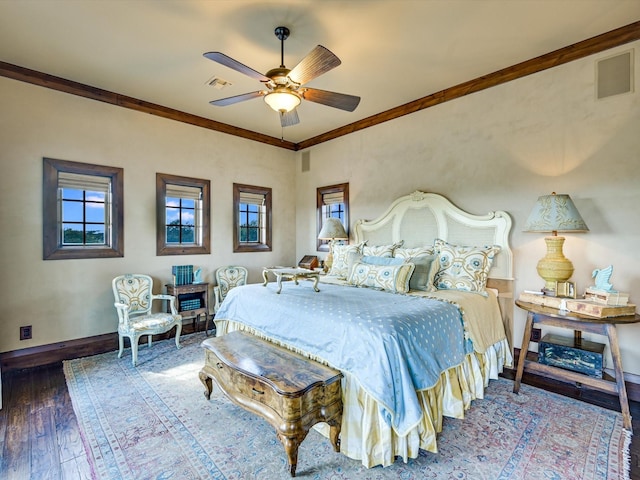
x=552 y=214
x=331 y=230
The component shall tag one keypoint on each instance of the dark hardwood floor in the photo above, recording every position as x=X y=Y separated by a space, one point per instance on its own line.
x=40 y=439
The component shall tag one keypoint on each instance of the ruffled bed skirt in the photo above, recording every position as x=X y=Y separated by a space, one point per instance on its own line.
x=365 y=436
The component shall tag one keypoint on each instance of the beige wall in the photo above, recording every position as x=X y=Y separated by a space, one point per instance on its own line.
x=67 y=299
x=500 y=149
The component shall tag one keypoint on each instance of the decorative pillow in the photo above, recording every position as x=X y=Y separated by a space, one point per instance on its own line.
x=424 y=273
x=355 y=257
x=371 y=260
x=413 y=252
x=463 y=267
x=339 y=267
x=393 y=278
x=381 y=250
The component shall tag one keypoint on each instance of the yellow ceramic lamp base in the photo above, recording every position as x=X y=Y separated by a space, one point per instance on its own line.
x=555 y=267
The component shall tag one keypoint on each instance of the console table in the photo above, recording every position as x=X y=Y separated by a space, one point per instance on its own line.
x=541 y=315
x=290 y=273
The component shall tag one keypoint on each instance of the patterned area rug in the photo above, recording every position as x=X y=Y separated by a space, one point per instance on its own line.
x=153 y=421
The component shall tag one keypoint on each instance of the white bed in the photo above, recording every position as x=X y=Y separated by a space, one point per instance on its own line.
x=413 y=221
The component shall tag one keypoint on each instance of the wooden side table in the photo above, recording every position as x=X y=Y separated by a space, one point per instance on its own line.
x=538 y=314
x=192 y=300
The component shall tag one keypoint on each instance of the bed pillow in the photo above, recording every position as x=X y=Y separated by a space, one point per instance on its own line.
x=355 y=257
x=381 y=250
x=339 y=267
x=424 y=272
x=373 y=260
x=413 y=252
x=392 y=278
x=463 y=267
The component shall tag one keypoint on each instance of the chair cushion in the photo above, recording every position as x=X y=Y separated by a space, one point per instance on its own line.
x=155 y=322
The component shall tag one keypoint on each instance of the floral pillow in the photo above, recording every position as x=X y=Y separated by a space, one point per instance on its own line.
x=463 y=267
x=413 y=252
x=392 y=278
x=340 y=253
x=381 y=250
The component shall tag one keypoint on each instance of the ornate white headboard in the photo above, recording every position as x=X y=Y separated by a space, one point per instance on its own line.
x=420 y=217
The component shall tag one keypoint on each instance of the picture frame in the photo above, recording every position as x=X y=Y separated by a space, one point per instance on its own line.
x=566 y=289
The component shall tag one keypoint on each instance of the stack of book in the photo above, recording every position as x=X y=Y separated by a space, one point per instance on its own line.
x=190 y=304
x=182 y=274
x=595 y=307
x=606 y=298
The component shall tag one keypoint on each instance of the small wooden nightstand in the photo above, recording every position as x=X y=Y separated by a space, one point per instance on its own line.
x=192 y=300
x=541 y=315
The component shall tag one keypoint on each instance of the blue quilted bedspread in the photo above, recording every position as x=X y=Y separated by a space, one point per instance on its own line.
x=393 y=344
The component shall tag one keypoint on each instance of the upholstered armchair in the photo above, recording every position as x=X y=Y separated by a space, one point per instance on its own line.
x=226 y=279
x=134 y=297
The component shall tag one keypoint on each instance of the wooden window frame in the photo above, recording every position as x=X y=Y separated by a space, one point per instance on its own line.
x=323 y=245
x=162 y=248
x=239 y=247
x=52 y=249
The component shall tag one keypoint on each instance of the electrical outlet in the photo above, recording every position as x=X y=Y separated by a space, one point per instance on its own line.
x=536 y=334
x=26 y=332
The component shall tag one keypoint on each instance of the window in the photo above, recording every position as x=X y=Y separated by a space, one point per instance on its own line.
x=182 y=209
x=252 y=218
x=332 y=201
x=83 y=210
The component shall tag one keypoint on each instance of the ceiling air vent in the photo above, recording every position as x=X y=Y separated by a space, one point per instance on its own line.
x=614 y=75
x=218 y=83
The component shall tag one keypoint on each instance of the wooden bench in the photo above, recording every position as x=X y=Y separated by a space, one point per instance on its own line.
x=289 y=391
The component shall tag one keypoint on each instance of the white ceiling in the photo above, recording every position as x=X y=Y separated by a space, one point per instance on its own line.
x=392 y=52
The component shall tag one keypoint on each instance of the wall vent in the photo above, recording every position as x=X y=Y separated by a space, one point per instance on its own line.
x=614 y=75
x=306 y=161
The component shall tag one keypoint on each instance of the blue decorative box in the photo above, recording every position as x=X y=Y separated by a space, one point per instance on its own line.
x=580 y=356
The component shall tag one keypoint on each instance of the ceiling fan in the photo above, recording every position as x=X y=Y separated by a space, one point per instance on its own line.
x=284 y=88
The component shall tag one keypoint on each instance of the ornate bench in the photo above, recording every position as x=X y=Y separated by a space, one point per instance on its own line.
x=289 y=391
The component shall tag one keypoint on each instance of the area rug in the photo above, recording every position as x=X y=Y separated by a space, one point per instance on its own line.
x=153 y=421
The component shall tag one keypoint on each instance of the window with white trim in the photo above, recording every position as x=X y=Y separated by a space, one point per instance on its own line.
x=332 y=201
x=182 y=215
x=252 y=218
x=82 y=206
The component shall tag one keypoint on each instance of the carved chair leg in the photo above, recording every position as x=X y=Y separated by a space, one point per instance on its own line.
x=178 y=331
x=134 y=349
x=120 y=345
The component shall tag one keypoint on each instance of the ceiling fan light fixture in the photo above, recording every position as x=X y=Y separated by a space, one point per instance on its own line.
x=282 y=101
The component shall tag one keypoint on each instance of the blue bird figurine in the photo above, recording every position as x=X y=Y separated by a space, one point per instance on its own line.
x=602 y=276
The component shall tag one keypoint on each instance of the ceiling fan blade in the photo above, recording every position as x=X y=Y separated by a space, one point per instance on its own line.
x=331 y=99
x=288 y=119
x=223 y=102
x=223 y=59
x=320 y=60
